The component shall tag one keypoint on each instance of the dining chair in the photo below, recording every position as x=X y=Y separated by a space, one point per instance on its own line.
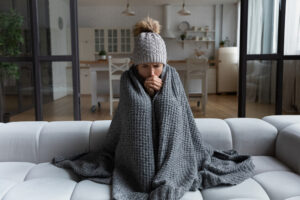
x=197 y=69
x=116 y=67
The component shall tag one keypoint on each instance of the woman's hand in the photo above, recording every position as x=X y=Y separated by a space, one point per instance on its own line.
x=152 y=84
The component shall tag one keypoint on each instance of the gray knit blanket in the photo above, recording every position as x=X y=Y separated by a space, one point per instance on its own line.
x=153 y=149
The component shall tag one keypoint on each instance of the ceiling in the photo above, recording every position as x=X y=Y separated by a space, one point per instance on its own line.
x=152 y=2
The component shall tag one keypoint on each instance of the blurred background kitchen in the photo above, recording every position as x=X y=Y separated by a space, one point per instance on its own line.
x=204 y=34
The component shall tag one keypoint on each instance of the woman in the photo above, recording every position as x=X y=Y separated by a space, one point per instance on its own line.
x=153 y=149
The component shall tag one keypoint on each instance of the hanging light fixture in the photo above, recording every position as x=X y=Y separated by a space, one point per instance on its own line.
x=127 y=11
x=184 y=11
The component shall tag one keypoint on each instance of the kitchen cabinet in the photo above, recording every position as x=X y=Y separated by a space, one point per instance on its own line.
x=85 y=80
x=228 y=68
x=195 y=85
x=86 y=44
x=112 y=40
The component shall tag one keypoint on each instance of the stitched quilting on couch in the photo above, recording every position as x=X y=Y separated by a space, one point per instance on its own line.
x=26 y=148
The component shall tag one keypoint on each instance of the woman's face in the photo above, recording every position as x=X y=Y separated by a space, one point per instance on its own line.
x=147 y=70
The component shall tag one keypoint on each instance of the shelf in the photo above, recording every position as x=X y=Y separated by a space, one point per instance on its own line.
x=196 y=40
x=203 y=41
x=198 y=31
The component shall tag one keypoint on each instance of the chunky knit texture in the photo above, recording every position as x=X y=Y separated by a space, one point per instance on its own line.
x=149 y=47
x=153 y=149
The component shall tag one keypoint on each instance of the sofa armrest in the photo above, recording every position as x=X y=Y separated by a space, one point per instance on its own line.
x=288 y=147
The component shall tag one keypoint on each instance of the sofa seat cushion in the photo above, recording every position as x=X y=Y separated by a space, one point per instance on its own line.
x=268 y=163
x=5 y=186
x=89 y=190
x=42 y=189
x=279 y=184
x=294 y=198
x=15 y=171
x=249 y=189
x=44 y=170
x=22 y=180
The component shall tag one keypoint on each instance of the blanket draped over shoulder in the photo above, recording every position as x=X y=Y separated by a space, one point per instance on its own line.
x=153 y=149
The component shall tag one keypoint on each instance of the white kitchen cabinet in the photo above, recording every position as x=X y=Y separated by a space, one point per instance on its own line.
x=85 y=80
x=86 y=44
x=195 y=84
x=227 y=69
x=114 y=40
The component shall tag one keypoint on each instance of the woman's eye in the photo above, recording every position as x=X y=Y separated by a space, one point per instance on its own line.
x=156 y=66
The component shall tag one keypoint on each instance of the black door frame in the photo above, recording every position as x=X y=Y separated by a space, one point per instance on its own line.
x=36 y=58
x=279 y=57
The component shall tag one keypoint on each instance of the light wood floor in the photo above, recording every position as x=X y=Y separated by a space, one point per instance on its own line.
x=218 y=106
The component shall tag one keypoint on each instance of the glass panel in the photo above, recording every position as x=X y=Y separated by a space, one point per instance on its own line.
x=261 y=88
x=122 y=47
x=57 y=90
x=128 y=40
x=54 y=26
x=122 y=32
x=292 y=28
x=127 y=32
x=262 y=26
x=128 y=48
x=291 y=87
x=109 y=33
x=17 y=94
x=115 y=33
x=22 y=15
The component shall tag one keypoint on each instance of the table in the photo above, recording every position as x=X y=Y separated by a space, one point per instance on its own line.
x=102 y=65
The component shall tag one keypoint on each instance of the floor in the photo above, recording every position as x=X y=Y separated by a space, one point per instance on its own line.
x=218 y=106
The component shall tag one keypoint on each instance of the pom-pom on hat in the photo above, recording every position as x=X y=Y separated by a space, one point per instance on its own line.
x=149 y=46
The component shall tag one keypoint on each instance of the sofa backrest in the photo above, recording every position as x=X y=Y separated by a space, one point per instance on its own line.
x=40 y=141
x=282 y=121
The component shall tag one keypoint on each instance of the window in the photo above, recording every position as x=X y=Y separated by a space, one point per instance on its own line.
x=125 y=40
x=113 y=40
x=99 y=40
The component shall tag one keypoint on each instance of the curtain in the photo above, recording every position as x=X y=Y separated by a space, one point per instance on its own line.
x=291 y=75
x=261 y=75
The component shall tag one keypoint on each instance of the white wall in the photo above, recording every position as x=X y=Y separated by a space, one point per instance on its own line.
x=60 y=44
x=110 y=16
x=229 y=24
x=201 y=16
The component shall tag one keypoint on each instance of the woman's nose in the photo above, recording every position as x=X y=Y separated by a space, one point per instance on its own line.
x=152 y=71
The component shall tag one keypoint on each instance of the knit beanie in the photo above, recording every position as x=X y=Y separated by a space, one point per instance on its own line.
x=148 y=44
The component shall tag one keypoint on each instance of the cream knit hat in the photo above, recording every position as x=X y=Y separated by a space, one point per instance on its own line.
x=149 y=45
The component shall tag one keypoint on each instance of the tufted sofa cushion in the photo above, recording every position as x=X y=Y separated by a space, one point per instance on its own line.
x=282 y=121
x=26 y=148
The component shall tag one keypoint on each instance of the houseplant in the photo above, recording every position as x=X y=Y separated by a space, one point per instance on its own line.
x=222 y=43
x=11 y=39
x=102 y=55
x=182 y=37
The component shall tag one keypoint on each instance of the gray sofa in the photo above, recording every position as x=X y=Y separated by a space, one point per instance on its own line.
x=27 y=147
